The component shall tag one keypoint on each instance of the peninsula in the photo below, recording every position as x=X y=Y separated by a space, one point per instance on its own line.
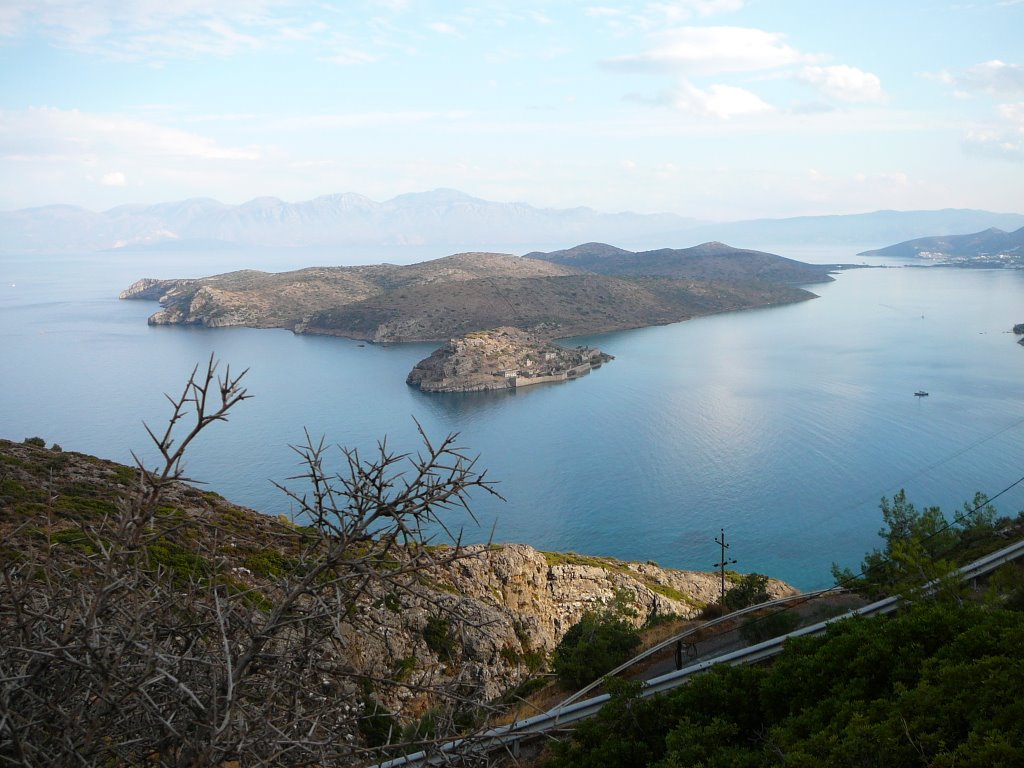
x=992 y=248
x=468 y=292
x=505 y=358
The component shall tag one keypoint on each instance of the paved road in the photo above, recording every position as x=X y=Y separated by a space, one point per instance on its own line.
x=707 y=643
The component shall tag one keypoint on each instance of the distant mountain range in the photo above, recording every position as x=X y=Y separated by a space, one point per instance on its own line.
x=445 y=218
x=442 y=217
x=991 y=247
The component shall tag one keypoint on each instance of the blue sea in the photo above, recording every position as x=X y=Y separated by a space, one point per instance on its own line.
x=782 y=426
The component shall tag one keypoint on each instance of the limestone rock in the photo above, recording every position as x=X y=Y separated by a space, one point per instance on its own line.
x=546 y=593
x=504 y=358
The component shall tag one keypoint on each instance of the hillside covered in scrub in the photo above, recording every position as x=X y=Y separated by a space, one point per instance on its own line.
x=351 y=635
x=467 y=292
x=934 y=684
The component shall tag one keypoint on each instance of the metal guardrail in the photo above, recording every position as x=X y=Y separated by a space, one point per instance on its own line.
x=801 y=596
x=568 y=713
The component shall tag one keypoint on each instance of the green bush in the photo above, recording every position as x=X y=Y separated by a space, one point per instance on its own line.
x=935 y=686
x=751 y=589
x=377 y=725
x=761 y=628
x=594 y=645
x=438 y=636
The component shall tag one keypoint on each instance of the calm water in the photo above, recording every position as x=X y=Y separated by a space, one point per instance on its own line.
x=784 y=426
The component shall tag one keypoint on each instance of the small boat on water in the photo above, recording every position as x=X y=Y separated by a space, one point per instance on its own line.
x=920 y=393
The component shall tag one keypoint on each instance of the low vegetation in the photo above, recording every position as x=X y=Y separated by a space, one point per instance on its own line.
x=144 y=622
x=937 y=684
x=921 y=546
x=596 y=644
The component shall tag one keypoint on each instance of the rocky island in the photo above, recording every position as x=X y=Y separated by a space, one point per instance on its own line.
x=591 y=289
x=504 y=358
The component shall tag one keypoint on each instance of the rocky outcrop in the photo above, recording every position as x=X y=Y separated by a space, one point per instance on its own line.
x=504 y=358
x=516 y=601
x=505 y=606
x=546 y=593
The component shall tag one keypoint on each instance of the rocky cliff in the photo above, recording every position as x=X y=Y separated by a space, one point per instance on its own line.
x=545 y=593
x=514 y=602
x=504 y=358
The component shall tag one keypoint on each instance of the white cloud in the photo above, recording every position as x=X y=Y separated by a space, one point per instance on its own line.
x=303 y=33
x=155 y=29
x=681 y=10
x=1013 y=112
x=1002 y=139
x=10 y=20
x=91 y=158
x=540 y=18
x=721 y=101
x=113 y=179
x=999 y=142
x=602 y=11
x=326 y=122
x=82 y=136
x=712 y=50
x=657 y=15
x=442 y=28
x=844 y=83
x=1003 y=136
x=994 y=77
x=350 y=57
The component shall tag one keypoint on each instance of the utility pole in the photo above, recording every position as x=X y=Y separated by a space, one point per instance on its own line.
x=724 y=562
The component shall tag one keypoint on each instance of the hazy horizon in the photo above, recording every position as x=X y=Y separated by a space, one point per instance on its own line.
x=719 y=110
x=425 y=192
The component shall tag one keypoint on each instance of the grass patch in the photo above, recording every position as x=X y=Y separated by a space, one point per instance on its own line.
x=74 y=537
x=125 y=475
x=86 y=505
x=268 y=562
x=12 y=490
x=436 y=586
x=572 y=558
x=179 y=561
x=438 y=636
x=404 y=668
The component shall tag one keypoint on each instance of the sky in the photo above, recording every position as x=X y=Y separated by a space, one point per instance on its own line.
x=714 y=109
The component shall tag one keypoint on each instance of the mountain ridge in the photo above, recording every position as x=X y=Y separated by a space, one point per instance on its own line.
x=442 y=217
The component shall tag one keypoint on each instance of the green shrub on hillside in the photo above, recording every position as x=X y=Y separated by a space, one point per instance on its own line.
x=596 y=644
x=751 y=589
x=935 y=686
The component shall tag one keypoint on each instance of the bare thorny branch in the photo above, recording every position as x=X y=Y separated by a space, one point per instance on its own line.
x=131 y=648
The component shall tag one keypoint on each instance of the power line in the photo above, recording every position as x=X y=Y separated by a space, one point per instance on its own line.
x=846 y=582
x=724 y=562
x=936 y=464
